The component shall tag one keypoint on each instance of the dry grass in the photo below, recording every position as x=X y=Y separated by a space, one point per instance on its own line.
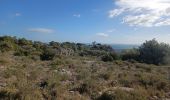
x=81 y=78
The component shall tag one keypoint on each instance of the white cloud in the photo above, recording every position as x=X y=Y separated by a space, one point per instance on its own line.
x=17 y=14
x=111 y=30
x=147 y=13
x=164 y=22
x=102 y=35
x=77 y=15
x=147 y=20
x=40 y=30
x=115 y=12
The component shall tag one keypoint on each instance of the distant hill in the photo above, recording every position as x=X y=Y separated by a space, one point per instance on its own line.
x=120 y=47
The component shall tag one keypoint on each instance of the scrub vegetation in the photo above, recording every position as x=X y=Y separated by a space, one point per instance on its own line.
x=32 y=70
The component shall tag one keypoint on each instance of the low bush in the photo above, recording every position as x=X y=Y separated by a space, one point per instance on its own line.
x=48 y=54
x=109 y=56
x=122 y=95
x=97 y=53
x=6 y=46
x=9 y=95
x=130 y=54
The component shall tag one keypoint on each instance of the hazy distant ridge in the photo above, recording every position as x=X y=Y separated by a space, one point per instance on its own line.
x=120 y=47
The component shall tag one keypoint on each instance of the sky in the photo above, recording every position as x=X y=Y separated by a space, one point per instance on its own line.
x=85 y=21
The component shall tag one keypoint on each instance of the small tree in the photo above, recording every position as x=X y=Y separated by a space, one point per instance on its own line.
x=152 y=52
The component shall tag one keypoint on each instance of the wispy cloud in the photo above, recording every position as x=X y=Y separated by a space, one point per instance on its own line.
x=77 y=15
x=40 y=30
x=102 y=35
x=115 y=12
x=18 y=14
x=111 y=30
x=147 y=13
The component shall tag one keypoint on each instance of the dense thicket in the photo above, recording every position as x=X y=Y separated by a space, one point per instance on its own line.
x=151 y=52
x=48 y=51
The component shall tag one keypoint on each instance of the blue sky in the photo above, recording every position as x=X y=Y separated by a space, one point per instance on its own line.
x=105 y=21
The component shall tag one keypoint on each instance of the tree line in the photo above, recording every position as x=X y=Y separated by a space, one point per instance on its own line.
x=150 y=52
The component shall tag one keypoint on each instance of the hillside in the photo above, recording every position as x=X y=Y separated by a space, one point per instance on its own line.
x=32 y=70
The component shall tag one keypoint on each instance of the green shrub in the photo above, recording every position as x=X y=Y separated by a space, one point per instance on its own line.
x=48 y=54
x=101 y=47
x=97 y=53
x=107 y=58
x=9 y=95
x=22 y=52
x=106 y=96
x=23 y=42
x=7 y=43
x=122 y=95
x=152 y=52
x=58 y=61
x=130 y=54
x=110 y=56
x=6 y=46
